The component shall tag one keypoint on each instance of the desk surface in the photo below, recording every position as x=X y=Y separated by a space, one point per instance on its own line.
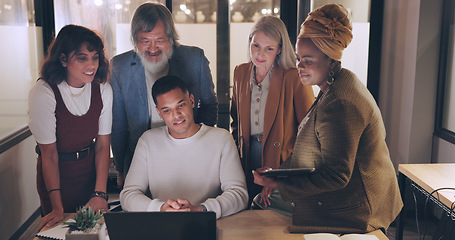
x=262 y=224
x=431 y=177
x=258 y=224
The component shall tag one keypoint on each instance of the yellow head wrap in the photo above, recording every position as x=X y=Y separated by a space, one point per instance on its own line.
x=330 y=29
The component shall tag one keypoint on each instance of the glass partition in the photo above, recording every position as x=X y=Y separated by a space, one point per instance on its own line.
x=195 y=16
x=445 y=103
x=195 y=21
x=111 y=18
x=448 y=103
x=21 y=47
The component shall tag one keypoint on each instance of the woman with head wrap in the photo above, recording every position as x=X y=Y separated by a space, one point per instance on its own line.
x=354 y=187
x=268 y=101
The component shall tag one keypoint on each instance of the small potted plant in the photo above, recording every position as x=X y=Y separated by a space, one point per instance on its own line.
x=85 y=226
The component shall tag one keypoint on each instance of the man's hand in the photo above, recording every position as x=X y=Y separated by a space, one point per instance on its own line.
x=51 y=219
x=179 y=205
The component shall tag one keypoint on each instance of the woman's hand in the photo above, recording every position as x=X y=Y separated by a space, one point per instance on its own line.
x=102 y=162
x=265 y=195
x=51 y=219
x=98 y=204
x=264 y=181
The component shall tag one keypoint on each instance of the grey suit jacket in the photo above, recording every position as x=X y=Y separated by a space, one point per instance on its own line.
x=130 y=107
x=355 y=187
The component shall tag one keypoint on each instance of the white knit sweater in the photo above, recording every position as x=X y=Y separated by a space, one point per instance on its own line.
x=204 y=168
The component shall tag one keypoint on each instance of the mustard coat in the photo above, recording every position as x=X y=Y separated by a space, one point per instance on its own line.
x=288 y=101
x=354 y=188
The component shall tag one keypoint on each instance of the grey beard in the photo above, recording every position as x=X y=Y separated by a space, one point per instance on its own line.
x=156 y=67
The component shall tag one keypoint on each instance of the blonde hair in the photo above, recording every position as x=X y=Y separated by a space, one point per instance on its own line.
x=274 y=28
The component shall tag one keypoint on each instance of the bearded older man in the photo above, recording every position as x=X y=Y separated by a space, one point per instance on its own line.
x=157 y=53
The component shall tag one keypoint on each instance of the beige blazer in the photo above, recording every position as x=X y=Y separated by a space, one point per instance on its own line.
x=354 y=188
x=288 y=101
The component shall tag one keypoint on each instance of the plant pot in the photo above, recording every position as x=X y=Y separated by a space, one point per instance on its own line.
x=96 y=233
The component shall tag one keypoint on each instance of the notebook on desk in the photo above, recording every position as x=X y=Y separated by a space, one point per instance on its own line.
x=161 y=225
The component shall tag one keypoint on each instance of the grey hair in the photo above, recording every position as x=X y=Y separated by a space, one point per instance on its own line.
x=274 y=28
x=145 y=18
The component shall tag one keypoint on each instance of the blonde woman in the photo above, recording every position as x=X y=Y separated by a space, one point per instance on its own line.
x=268 y=101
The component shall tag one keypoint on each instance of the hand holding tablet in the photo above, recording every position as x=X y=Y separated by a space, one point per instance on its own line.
x=268 y=172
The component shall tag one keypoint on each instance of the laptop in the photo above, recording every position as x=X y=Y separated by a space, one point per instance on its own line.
x=161 y=225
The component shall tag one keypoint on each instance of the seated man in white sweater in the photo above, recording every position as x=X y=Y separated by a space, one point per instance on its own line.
x=186 y=166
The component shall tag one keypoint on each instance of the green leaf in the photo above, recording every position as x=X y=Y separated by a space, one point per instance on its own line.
x=85 y=218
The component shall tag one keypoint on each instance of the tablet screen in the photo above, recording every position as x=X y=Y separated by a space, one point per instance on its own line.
x=286 y=172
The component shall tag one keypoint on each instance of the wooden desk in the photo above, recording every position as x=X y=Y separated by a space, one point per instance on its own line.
x=262 y=224
x=427 y=178
x=258 y=224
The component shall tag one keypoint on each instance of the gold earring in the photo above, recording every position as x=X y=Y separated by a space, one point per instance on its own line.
x=331 y=74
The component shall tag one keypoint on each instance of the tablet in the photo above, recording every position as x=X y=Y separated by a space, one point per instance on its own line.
x=286 y=172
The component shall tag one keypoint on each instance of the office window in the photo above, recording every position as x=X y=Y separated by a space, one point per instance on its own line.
x=448 y=119
x=20 y=44
x=111 y=18
x=198 y=16
x=445 y=109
